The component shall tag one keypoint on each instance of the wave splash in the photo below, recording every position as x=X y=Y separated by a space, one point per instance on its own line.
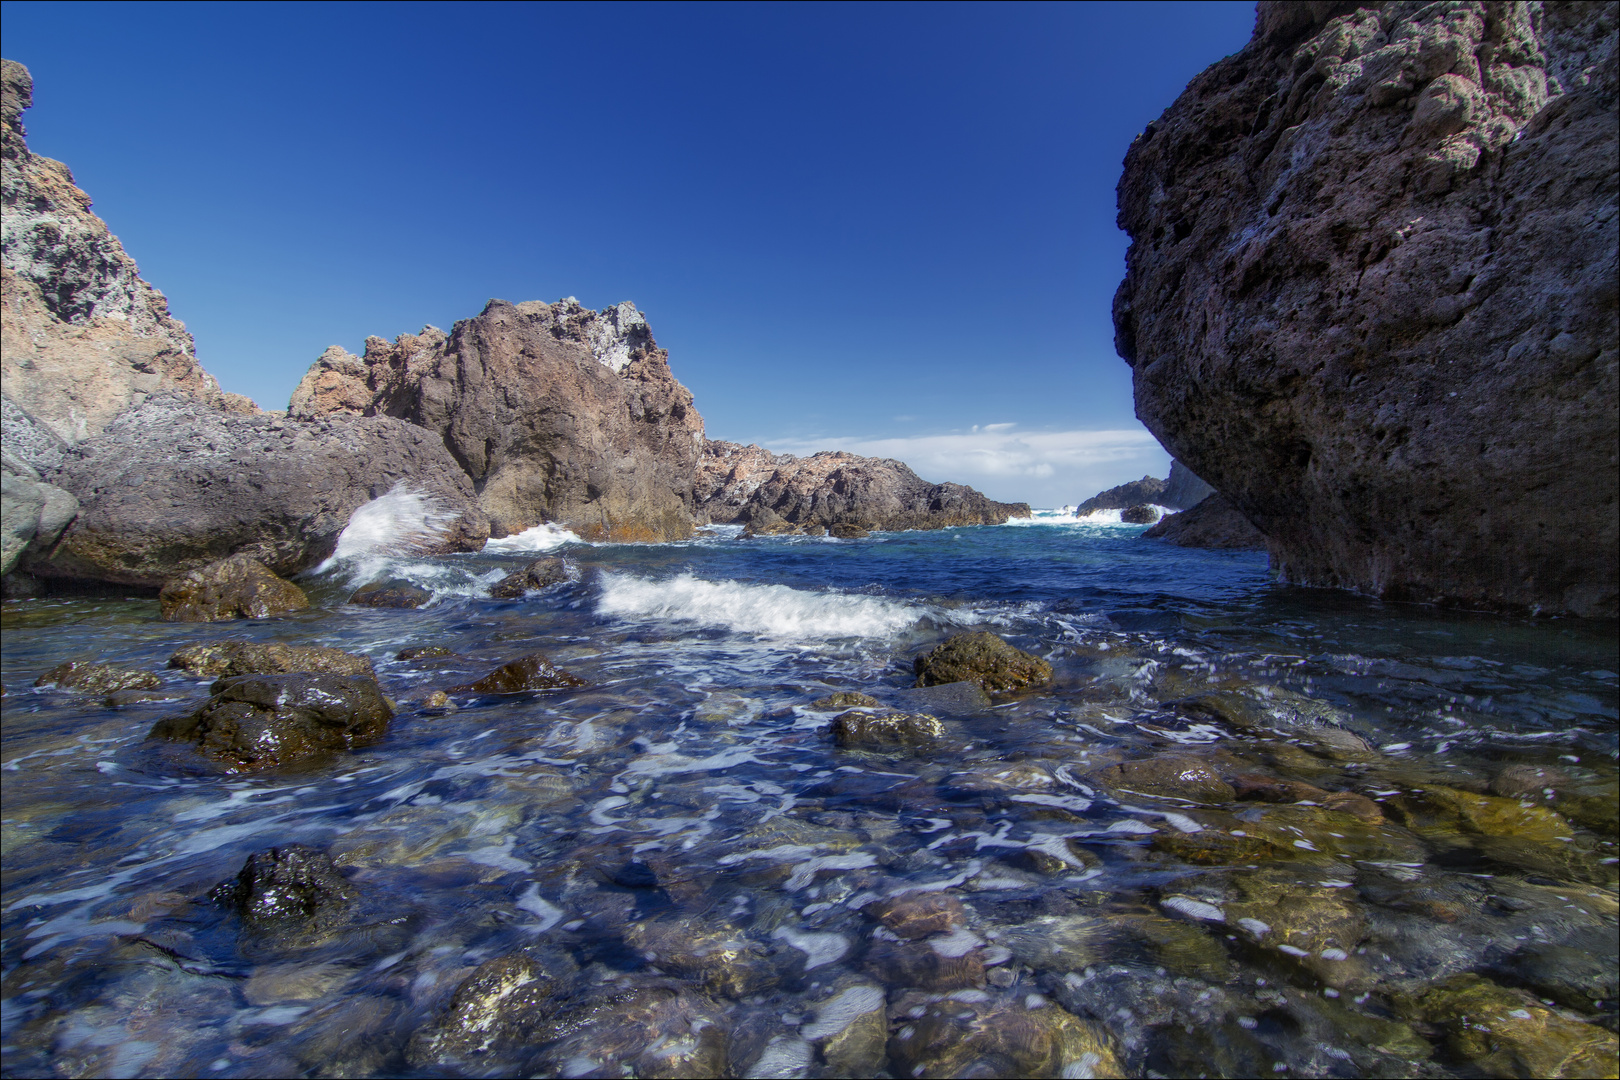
x=402 y=522
x=769 y=610
x=544 y=537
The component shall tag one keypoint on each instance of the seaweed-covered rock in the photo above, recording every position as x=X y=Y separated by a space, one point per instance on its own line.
x=983 y=658
x=532 y=578
x=260 y=721
x=1502 y=1032
x=239 y=587
x=390 y=594
x=86 y=677
x=860 y=729
x=290 y=890
x=532 y=672
x=219 y=658
x=843 y=530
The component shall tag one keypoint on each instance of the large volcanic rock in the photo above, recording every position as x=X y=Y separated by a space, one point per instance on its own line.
x=1148 y=490
x=84 y=338
x=1183 y=490
x=1213 y=523
x=1372 y=295
x=557 y=413
x=752 y=485
x=174 y=485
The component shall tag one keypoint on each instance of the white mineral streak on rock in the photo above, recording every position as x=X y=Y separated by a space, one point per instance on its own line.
x=610 y=335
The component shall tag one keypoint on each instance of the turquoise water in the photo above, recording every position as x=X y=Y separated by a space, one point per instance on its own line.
x=694 y=758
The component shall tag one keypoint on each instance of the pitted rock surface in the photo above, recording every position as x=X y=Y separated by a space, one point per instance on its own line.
x=557 y=414
x=235 y=588
x=1372 y=296
x=982 y=658
x=219 y=658
x=260 y=721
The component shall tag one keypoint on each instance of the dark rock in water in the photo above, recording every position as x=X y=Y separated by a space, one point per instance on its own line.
x=983 y=658
x=495 y=1011
x=921 y=965
x=720 y=956
x=285 y=890
x=423 y=652
x=1172 y=775
x=653 y=1032
x=173 y=485
x=537 y=575
x=250 y=658
x=556 y=412
x=1001 y=1035
x=1149 y=489
x=917 y=915
x=1520 y=781
x=239 y=587
x=845 y=699
x=956 y=698
x=390 y=594
x=1576 y=976
x=1183 y=490
x=844 y=531
x=859 y=729
x=1213 y=523
x=1139 y=515
x=1503 y=1032
x=260 y=721
x=532 y=672
x=91 y=678
x=1410 y=388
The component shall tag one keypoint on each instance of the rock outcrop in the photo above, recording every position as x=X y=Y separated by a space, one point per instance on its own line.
x=557 y=414
x=1147 y=491
x=1372 y=296
x=832 y=490
x=84 y=337
x=173 y=485
x=1213 y=523
x=1182 y=489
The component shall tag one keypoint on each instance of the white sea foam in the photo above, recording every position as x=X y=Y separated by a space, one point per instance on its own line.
x=770 y=610
x=544 y=537
x=1111 y=517
x=402 y=522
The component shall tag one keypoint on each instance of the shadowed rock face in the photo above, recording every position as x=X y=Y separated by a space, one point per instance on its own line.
x=1148 y=490
x=1372 y=296
x=1213 y=523
x=84 y=337
x=556 y=412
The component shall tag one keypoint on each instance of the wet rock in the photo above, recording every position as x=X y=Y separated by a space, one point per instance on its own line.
x=923 y=965
x=86 y=677
x=842 y=530
x=390 y=594
x=950 y=699
x=1169 y=775
x=287 y=892
x=1143 y=492
x=851 y=1028
x=423 y=652
x=1316 y=928
x=1503 y=1032
x=1522 y=781
x=1139 y=515
x=1213 y=523
x=239 y=587
x=1275 y=790
x=650 y=1032
x=845 y=699
x=718 y=955
x=1001 y=1035
x=532 y=578
x=1438 y=812
x=494 y=1012
x=260 y=721
x=983 y=658
x=1056 y=942
x=221 y=658
x=1578 y=976
x=919 y=914
x=859 y=729
x=532 y=672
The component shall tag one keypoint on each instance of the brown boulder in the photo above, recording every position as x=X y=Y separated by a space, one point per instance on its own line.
x=917 y=915
x=86 y=677
x=859 y=729
x=537 y=575
x=983 y=658
x=261 y=721
x=235 y=588
x=532 y=672
x=221 y=658
x=390 y=594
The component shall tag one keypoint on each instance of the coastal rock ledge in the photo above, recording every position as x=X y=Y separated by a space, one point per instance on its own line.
x=1372 y=296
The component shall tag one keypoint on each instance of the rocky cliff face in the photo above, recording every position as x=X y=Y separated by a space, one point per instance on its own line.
x=556 y=413
x=1149 y=489
x=750 y=485
x=1372 y=295
x=84 y=337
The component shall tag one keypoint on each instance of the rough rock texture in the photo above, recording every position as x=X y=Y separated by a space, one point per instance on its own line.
x=1183 y=490
x=556 y=412
x=173 y=485
x=532 y=672
x=1149 y=489
x=1213 y=523
x=235 y=588
x=982 y=658
x=283 y=888
x=1372 y=296
x=860 y=729
x=393 y=593
x=260 y=721
x=537 y=575
x=87 y=677
x=218 y=658
x=832 y=489
x=1140 y=515
x=33 y=514
x=84 y=338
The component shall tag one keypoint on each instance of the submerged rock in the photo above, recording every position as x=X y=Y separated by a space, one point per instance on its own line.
x=260 y=721
x=919 y=914
x=923 y=965
x=239 y=587
x=845 y=699
x=1213 y=523
x=652 y=1032
x=537 y=575
x=495 y=1012
x=860 y=729
x=532 y=672
x=1169 y=775
x=218 y=658
x=390 y=594
x=716 y=954
x=1000 y=1035
x=86 y=677
x=1503 y=1032
x=287 y=891
x=983 y=658
x=423 y=652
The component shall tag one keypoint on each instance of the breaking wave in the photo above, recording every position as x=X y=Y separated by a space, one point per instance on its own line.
x=544 y=537
x=769 y=610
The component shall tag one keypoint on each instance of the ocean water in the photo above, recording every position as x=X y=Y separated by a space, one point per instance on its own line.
x=689 y=795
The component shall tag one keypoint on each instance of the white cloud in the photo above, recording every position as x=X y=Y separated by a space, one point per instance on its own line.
x=1044 y=468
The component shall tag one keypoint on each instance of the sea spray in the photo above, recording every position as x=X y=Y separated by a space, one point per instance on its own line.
x=388 y=537
x=769 y=610
x=544 y=537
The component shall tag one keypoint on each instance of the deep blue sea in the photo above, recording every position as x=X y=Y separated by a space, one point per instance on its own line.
x=690 y=794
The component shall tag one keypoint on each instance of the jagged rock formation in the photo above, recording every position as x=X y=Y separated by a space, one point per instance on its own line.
x=1182 y=489
x=84 y=338
x=1148 y=490
x=780 y=492
x=173 y=485
x=556 y=413
x=1213 y=523
x=1372 y=296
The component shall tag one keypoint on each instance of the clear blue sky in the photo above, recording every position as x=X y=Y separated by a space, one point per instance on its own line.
x=874 y=227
